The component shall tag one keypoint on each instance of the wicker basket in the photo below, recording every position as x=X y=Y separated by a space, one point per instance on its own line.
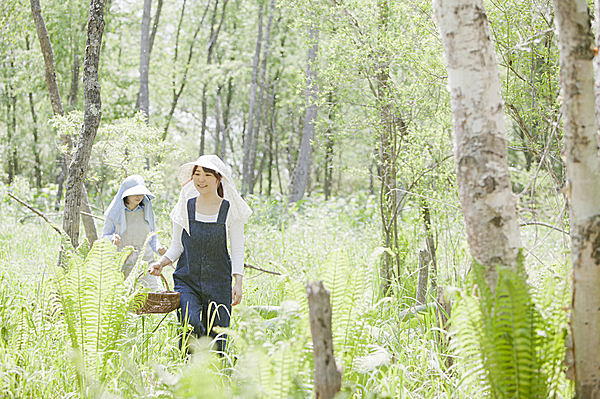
x=160 y=302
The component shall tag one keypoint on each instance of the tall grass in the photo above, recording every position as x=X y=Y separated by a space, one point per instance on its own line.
x=384 y=351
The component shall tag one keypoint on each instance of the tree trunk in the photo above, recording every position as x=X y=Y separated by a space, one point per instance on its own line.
x=329 y=149
x=177 y=91
x=576 y=48
x=424 y=261
x=261 y=116
x=225 y=132
x=218 y=120
x=37 y=167
x=302 y=171
x=50 y=75
x=328 y=377
x=91 y=120
x=212 y=42
x=155 y=26
x=425 y=211
x=72 y=98
x=11 y=130
x=62 y=159
x=143 y=93
x=488 y=204
x=249 y=141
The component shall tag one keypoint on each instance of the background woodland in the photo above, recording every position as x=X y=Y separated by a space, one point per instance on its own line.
x=337 y=119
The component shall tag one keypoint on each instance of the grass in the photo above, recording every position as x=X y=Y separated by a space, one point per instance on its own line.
x=382 y=354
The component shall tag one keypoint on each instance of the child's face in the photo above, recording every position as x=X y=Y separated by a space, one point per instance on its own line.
x=133 y=200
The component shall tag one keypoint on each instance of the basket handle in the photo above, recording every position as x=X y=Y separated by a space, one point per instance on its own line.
x=164 y=280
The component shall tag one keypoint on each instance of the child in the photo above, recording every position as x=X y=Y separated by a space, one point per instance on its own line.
x=128 y=221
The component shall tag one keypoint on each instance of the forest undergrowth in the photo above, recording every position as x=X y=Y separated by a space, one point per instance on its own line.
x=384 y=350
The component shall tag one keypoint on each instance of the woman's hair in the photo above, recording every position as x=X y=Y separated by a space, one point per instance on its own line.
x=215 y=174
x=126 y=201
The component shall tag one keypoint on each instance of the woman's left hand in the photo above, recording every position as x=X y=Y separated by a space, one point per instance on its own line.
x=162 y=250
x=236 y=292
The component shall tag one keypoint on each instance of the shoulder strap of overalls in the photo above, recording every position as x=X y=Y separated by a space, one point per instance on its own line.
x=191 y=208
x=223 y=212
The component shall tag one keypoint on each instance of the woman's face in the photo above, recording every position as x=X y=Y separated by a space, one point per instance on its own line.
x=132 y=201
x=205 y=182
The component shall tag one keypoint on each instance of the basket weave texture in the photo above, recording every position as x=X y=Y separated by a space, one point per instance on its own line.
x=160 y=302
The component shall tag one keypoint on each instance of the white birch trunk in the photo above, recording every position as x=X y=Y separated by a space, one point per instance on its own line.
x=488 y=204
x=576 y=47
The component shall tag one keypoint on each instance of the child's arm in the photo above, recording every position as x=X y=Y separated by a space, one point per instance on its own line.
x=110 y=230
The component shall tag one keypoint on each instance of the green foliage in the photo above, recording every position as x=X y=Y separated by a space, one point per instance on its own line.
x=504 y=345
x=95 y=303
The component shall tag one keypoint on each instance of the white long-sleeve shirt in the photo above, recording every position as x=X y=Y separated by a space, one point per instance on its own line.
x=235 y=236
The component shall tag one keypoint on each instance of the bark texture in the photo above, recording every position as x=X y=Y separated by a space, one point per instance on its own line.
x=91 y=120
x=302 y=171
x=488 y=204
x=62 y=159
x=328 y=377
x=48 y=54
x=576 y=47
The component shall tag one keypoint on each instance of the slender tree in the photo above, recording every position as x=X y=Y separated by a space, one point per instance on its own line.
x=91 y=120
x=488 y=204
x=302 y=171
x=215 y=28
x=143 y=93
x=249 y=137
x=63 y=159
x=177 y=90
x=576 y=48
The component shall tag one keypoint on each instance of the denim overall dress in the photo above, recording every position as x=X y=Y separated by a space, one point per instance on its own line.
x=203 y=274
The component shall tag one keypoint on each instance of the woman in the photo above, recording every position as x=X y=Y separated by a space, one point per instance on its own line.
x=209 y=212
x=128 y=220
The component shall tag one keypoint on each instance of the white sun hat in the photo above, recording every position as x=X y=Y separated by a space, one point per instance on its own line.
x=138 y=189
x=238 y=209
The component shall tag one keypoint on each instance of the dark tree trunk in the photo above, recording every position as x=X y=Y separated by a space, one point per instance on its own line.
x=50 y=75
x=72 y=98
x=249 y=142
x=155 y=26
x=329 y=149
x=37 y=167
x=91 y=120
x=11 y=130
x=260 y=115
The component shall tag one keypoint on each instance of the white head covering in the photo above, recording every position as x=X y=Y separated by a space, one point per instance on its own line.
x=132 y=185
x=238 y=209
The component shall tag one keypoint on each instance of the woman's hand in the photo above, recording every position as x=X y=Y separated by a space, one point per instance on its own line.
x=155 y=268
x=162 y=250
x=116 y=239
x=236 y=291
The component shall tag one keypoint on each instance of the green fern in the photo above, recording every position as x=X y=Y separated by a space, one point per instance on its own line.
x=95 y=303
x=506 y=347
